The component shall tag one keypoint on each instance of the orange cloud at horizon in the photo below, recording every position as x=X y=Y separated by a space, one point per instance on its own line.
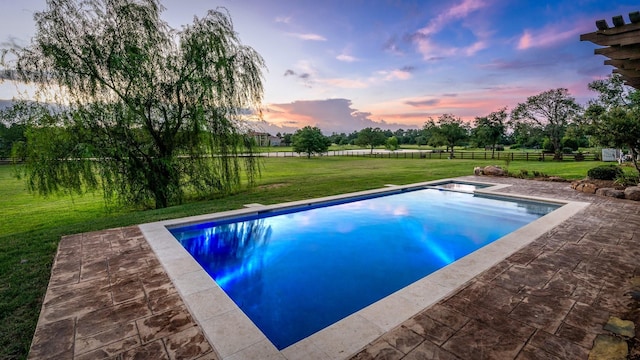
x=416 y=111
x=340 y=115
x=281 y=116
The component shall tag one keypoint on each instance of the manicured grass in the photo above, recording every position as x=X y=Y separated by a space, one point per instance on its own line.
x=31 y=226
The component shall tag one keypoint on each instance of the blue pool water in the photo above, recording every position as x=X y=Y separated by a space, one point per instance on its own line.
x=296 y=272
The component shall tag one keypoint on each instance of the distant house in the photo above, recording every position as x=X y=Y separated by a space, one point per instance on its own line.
x=275 y=141
x=265 y=139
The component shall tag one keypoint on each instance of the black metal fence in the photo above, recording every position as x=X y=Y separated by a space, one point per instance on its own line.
x=468 y=155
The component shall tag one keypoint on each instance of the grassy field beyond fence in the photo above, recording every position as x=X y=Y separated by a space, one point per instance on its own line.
x=31 y=226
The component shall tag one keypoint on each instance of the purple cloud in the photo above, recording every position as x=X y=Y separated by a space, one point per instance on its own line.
x=331 y=115
x=421 y=103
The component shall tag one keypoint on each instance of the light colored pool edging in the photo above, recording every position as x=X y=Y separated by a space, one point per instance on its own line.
x=235 y=337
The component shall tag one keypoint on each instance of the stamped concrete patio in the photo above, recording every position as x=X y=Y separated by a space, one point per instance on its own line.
x=110 y=297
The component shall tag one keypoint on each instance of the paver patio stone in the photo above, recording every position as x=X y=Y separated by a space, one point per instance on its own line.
x=533 y=353
x=161 y=300
x=544 y=312
x=164 y=324
x=576 y=335
x=430 y=351
x=558 y=346
x=403 y=339
x=526 y=255
x=587 y=318
x=54 y=339
x=109 y=336
x=530 y=276
x=379 y=350
x=103 y=319
x=98 y=269
x=110 y=350
x=476 y=340
x=187 y=344
x=498 y=298
x=154 y=350
x=430 y=329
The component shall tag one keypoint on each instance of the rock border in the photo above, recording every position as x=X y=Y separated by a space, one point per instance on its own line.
x=590 y=187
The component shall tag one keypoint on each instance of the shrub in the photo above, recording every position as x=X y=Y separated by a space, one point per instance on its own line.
x=605 y=172
x=627 y=180
x=567 y=150
x=570 y=143
x=579 y=156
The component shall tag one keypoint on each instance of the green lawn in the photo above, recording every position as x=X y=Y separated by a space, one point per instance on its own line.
x=31 y=226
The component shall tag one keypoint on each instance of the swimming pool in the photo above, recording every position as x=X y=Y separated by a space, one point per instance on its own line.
x=234 y=336
x=295 y=271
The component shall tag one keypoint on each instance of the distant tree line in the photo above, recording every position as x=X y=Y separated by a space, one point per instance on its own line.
x=549 y=121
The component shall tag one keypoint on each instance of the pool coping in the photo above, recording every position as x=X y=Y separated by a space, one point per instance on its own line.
x=234 y=336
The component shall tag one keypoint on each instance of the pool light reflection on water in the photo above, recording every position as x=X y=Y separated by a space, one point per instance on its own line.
x=294 y=273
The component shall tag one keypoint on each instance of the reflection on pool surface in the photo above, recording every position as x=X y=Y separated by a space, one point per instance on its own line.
x=295 y=272
x=461 y=186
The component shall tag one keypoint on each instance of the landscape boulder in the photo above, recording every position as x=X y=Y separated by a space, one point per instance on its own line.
x=589 y=188
x=610 y=192
x=584 y=186
x=477 y=171
x=493 y=170
x=632 y=193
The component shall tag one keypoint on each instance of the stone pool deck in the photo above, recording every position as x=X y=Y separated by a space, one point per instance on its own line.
x=109 y=296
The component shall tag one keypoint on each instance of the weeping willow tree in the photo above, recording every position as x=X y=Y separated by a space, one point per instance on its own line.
x=145 y=112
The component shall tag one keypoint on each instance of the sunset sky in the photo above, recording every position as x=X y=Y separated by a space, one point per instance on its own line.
x=348 y=64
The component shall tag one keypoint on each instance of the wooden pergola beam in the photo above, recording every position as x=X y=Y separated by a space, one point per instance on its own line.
x=629 y=52
x=621 y=45
x=622 y=64
x=613 y=36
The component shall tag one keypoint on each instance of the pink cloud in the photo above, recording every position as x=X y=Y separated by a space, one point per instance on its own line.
x=474 y=48
x=458 y=11
x=309 y=36
x=553 y=34
x=397 y=74
x=345 y=83
x=415 y=111
x=346 y=58
x=331 y=115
